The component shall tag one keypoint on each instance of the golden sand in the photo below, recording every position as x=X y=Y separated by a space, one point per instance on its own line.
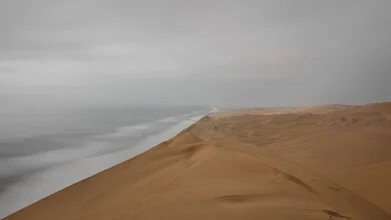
x=327 y=162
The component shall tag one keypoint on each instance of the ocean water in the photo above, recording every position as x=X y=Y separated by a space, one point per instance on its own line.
x=45 y=150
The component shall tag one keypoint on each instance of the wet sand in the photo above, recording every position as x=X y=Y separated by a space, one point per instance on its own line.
x=325 y=162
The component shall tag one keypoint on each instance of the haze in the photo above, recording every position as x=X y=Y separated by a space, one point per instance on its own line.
x=220 y=53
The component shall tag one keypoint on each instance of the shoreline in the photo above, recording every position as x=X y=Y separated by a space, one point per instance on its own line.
x=304 y=163
x=66 y=175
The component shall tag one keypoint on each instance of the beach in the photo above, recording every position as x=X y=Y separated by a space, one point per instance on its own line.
x=323 y=162
x=38 y=163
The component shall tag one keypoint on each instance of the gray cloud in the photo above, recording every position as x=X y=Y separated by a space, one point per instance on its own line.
x=195 y=52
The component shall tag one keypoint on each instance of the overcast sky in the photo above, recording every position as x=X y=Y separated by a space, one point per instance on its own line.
x=224 y=53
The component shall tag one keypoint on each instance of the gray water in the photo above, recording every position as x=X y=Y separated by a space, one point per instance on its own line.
x=45 y=150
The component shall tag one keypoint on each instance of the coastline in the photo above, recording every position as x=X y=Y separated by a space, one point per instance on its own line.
x=31 y=190
x=304 y=163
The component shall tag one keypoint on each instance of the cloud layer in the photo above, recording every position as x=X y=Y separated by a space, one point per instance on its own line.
x=227 y=53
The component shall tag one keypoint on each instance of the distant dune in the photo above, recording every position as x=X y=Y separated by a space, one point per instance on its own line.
x=326 y=162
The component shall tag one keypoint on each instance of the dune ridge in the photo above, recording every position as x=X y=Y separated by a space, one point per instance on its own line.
x=324 y=162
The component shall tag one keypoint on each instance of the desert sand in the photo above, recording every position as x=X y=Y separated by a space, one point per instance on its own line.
x=325 y=162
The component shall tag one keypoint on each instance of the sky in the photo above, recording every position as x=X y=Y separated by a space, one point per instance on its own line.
x=205 y=52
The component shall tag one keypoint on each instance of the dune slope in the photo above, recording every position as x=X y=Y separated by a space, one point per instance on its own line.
x=328 y=162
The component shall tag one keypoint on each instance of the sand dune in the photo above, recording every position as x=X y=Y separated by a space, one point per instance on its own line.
x=329 y=162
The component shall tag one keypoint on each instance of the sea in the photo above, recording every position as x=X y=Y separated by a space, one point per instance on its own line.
x=43 y=150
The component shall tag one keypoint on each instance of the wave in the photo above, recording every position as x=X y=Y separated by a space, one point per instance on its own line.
x=169 y=119
x=133 y=130
x=149 y=128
